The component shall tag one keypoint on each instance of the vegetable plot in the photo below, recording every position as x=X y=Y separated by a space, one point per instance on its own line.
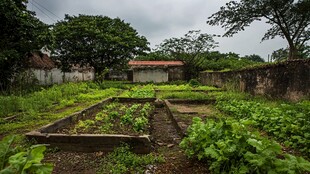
x=231 y=148
x=289 y=123
x=115 y=118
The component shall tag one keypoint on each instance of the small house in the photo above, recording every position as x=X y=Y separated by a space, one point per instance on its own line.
x=46 y=72
x=156 y=71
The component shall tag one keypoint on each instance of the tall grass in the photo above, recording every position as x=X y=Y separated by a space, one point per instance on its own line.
x=65 y=94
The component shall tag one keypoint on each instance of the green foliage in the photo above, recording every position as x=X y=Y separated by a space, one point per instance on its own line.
x=114 y=84
x=98 y=41
x=194 y=83
x=288 y=19
x=117 y=117
x=21 y=33
x=154 y=56
x=216 y=61
x=254 y=58
x=140 y=123
x=289 y=123
x=127 y=118
x=188 y=49
x=184 y=87
x=62 y=95
x=282 y=54
x=84 y=125
x=122 y=160
x=14 y=160
x=183 y=95
x=231 y=148
x=146 y=91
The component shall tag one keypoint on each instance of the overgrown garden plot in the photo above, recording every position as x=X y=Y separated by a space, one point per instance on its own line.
x=232 y=130
x=102 y=127
x=114 y=118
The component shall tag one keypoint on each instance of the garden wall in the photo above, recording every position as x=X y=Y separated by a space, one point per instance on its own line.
x=55 y=75
x=286 y=80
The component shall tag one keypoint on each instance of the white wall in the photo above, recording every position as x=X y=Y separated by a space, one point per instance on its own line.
x=151 y=75
x=47 y=77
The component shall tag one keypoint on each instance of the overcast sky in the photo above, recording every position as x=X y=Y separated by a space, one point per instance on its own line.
x=162 y=19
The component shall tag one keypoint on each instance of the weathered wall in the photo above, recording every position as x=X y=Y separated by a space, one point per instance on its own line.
x=53 y=76
x=150 y=75
x=175 y=73
x=287 y=80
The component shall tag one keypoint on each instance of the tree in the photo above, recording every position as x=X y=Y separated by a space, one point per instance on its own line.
x=289 y=19
x=254 y=58
x=189 y=49
x=279 y=55
x=282 y=54
x=98 y=41
x=153 y=56
x=21 y=33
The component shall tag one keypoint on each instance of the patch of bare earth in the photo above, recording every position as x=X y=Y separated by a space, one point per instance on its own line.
x=166 y=143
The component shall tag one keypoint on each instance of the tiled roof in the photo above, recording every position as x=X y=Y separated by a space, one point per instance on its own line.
x=155 y=63
x=44 y=62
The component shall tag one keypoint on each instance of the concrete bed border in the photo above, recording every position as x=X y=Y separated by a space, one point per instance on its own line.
x=176 y=124
x=192 y=90
x=90 y=142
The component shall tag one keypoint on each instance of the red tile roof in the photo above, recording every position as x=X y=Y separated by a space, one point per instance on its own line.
x=155 y=63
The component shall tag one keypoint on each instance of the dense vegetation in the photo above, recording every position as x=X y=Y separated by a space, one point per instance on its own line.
x=245 y=135
x=288 y=19
x=21 y=34
x=97 y=41
x=230 y=147
x=288 y=123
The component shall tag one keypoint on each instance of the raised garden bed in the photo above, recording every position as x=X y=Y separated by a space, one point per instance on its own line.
x=182 y=111
x=102 y=127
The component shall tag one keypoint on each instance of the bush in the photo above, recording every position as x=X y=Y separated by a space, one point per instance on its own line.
x=194 y=83
x=231 y=148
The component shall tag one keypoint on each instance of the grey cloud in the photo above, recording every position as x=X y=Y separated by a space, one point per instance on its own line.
x=162 y=19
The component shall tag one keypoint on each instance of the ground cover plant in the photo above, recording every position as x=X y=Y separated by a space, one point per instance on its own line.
x=42 y=107
x=185 y=87
x=287 y=122
x=19 y=160
x=191 y=95
x=58 y=95
x=229 y=147
x=116 y=118
x=122 y=160
x=146 y=91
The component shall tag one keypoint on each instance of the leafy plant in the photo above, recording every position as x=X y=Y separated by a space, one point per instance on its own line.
x=84 y=125
x=140 y=123
x=194 y=83
x=183 y=95
x=17 y=161
x=288 y=123
x=122 y=160
x=231 y=148
x=146 y=91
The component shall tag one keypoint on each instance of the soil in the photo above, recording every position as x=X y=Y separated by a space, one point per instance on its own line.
x=165 y=142
x=184 y=113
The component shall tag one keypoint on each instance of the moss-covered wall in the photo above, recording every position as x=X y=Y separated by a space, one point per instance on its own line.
x=287 y=80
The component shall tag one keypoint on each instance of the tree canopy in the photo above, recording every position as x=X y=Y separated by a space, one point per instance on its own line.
x=98 y=41
x=188 y=49
x=289 y=19
x=21 y=33
x=254 y=58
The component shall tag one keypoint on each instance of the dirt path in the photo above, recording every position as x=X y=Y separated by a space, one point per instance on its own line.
x=166 y=143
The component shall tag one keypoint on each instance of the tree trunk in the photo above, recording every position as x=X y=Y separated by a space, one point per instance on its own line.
x=293 y=54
